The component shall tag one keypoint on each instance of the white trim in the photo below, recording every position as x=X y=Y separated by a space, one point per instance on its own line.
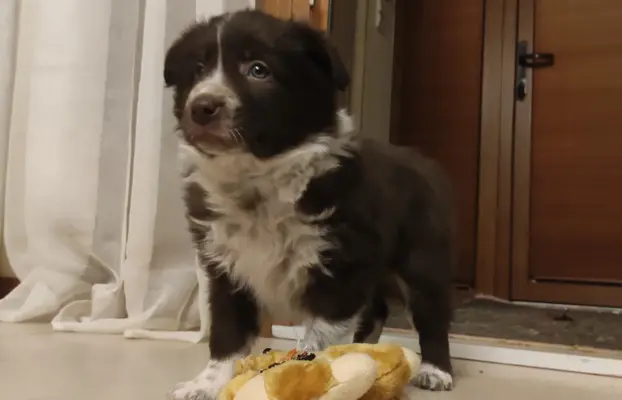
x=610 y=310
x=552 y=306
x=357 y=85
x=372 y=78
x=478 y=350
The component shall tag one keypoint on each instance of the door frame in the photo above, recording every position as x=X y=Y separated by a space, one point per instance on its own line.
x=493 y=244
x=492 y=272
x=495 y=268
x=524 y=288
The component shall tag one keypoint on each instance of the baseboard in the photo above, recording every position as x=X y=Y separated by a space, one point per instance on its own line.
x=7 y=285
x=497 y=351
x=266 y=327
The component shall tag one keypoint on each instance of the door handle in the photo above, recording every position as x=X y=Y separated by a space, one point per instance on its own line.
x=537 y=60
x=526 y=60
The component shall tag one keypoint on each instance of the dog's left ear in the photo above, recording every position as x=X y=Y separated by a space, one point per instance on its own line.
x=325 y=55
x=182 y=58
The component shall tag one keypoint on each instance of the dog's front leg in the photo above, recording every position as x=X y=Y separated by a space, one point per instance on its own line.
x=233 y=330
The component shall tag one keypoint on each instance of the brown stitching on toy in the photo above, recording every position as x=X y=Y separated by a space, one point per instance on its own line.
x=293 y=355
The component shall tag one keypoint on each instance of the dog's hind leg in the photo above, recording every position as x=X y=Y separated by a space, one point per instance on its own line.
x=427 y=284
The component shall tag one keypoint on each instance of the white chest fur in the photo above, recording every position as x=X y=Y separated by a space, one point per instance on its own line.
x=259 y=237
x=269 y=249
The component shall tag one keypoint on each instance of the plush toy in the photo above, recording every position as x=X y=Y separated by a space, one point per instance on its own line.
x=346 y=372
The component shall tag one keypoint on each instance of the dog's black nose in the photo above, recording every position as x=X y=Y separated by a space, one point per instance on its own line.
x=204 y=108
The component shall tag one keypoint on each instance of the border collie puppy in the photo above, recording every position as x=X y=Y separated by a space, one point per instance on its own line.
x=291 y=212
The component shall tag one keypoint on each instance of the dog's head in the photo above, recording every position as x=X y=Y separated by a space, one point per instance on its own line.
x=250 y=82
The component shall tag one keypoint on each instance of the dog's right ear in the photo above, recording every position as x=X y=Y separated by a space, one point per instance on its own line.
x=324 y=54
x=188 y=51
x=176 y=57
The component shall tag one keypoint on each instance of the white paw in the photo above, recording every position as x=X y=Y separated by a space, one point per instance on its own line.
x=433 y=378
x=195 y=390
x=207 y=385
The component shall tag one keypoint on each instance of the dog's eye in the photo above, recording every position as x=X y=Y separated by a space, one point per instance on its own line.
x=258 y=70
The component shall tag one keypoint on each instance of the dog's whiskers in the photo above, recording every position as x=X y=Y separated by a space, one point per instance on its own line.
x=237 y=136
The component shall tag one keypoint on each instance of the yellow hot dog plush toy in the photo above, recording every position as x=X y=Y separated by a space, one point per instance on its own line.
x=345 y=372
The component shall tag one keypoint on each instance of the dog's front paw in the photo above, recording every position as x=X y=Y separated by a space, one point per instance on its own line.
x=433 y=378
x=207 y=385
x=198 y=389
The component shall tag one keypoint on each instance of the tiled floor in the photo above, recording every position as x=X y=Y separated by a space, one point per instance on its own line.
x=37 y=364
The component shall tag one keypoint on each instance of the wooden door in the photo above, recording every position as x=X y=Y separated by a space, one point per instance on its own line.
x=567 y=216
x=437 y=92
x=316 y=11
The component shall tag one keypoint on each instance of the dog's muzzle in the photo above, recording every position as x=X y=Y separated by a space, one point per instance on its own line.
x=206 y=122
x=205 y=109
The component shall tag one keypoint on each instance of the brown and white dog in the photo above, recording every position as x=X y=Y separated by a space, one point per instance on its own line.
x=290 y=211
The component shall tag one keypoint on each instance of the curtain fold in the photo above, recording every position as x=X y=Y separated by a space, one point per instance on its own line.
x=93 y=220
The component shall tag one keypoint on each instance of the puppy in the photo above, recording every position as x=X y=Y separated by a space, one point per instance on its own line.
x=290 y=211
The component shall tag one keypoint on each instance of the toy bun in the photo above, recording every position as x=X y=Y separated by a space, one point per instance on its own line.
x=355 y=374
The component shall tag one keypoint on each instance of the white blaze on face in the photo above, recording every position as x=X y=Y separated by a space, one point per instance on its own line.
x=215 y=83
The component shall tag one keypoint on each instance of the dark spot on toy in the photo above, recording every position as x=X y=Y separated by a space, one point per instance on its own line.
x=306 y=357
x=291 y=356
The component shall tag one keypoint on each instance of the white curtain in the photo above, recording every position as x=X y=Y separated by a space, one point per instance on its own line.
x=93 y=221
